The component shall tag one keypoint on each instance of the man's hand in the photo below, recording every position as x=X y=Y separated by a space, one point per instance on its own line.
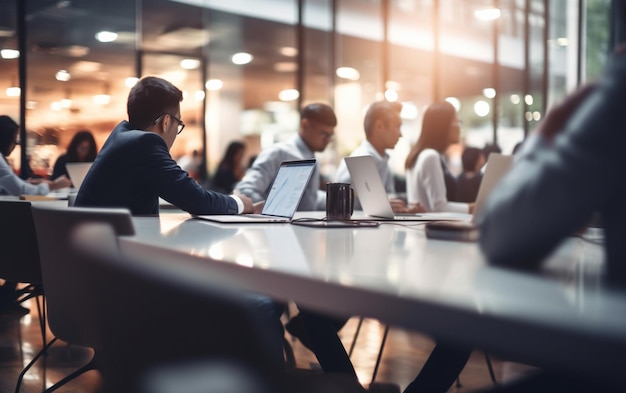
x=60 y=182
x=248 y=206
x=560 y=113
x=399 y=206
x=258 y=207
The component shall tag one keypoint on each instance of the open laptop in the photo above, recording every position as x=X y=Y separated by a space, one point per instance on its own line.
x=283 y=198
x=375 y=202
x=77 y=172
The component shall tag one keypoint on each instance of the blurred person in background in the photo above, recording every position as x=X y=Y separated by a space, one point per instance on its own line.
x=82 y=148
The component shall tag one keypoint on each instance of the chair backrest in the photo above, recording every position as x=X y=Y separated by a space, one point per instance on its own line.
x=62 y=273
x=18 y=242
x=155 y=312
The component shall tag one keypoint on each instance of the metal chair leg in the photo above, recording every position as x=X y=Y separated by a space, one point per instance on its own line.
x=380 y=352
x=87 y=367
x=356 y=335
x=31 y=363
x=492 y=374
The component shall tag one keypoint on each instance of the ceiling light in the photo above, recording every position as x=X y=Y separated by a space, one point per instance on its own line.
x=288 y=51
x=515 y=99
x=31 y=104
x=562 y=41
x=85 y=67
x=130 y=81
x=56 y=106
x=190 y=64
x=101 y=99
x=66 y=103
x=106 y=36
x=62 y=76
x=289 y=95
x=489 y=92
x=528 y=99
x=214 y=84
x=409 y=111
x=10 y=53
x=285 y=66
x=391 y=95
x=481 y=108
x=348 y=73
x=488 y=14
x=199 y=95
x=455 y=102
x=242 y=58
x=13 y=91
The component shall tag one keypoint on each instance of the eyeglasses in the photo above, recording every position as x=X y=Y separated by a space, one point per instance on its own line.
x=181 y=125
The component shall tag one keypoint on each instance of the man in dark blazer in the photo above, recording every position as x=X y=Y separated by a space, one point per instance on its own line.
x=570 y=170
x=134 y=167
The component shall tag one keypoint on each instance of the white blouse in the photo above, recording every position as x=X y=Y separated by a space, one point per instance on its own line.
x=11 y=184
x=425 y=184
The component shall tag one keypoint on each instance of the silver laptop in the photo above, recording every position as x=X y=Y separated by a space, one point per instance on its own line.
x=375 y=202
x=77 y=172
x=283 y=198
x=497 y=166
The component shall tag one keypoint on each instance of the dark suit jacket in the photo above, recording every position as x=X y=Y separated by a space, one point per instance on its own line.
x=134 y=168
x=553 y=191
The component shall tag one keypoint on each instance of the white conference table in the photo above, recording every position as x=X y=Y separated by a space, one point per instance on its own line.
x=561 y=318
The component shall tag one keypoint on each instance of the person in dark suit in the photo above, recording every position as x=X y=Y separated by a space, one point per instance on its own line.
x=564 y=174
x=135 y=168
x=468 y=182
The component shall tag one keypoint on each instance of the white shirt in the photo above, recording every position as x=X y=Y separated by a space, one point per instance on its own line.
x=258 y=179
x=382 y=164
x=425 y=184
x=11 y=184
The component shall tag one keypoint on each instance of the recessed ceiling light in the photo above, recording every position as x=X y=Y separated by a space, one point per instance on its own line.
x=213 y=84
x=288 y=51
x=242 y=58
x=62 y=75
x=13 y=91
x=190 y=64
x=456 y=103
x=289 y=95
x=10 y=53
x=348 y=73
x=488 y=14
x=106 y=36
x=285 y=66
x=131 y=81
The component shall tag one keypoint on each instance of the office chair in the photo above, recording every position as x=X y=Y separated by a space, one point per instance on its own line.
x=156 y=296
x=20 y=255
x=62 y=277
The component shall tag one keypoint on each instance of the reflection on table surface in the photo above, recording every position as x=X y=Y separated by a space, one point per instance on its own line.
x=395 y=274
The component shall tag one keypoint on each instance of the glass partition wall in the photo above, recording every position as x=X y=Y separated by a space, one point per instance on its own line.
x=247 y=66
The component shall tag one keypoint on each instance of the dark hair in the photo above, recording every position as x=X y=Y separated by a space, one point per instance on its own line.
x=150 y=98
x=380 y=110
x=8 y=131
x=232 y=149
x=470 y=157
x=435 y=131
x=491 y=148
x=77 y=139
x=319 y=113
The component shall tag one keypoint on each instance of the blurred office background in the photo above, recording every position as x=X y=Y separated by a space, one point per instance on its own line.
x=246 y=66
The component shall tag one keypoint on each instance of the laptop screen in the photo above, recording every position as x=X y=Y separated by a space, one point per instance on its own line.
x=288 y=187
x=77 y=172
